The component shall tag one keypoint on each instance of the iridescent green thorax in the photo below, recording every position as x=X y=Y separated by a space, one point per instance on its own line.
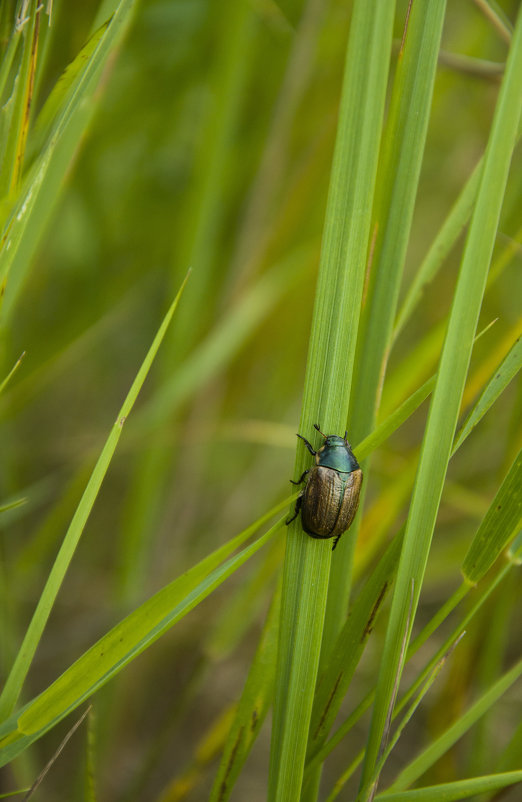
x=336 y=454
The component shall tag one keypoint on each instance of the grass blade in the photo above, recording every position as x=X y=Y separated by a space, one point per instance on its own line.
x=445 y=741
x=13 y=685
x=505 y=372
x=19 y=220
x=124 y=643
x=252 y=708
x=500 y=524
x=450 y=792
x=399 y=169
x=450 y=383
x=349 y=646
x=328 y=378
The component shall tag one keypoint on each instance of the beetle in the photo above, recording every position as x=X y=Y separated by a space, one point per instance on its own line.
x=330 y=497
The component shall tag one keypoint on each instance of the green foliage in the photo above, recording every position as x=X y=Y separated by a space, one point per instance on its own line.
x=316 y=165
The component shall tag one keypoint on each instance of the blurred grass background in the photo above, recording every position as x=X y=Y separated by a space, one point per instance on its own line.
x=210 y=146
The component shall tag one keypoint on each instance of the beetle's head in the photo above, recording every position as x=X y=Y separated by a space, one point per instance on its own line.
x=333 y=441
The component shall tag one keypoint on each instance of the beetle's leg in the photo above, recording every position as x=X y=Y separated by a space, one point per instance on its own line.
x=308 y=445
x=296 y=511
x=300 y=478
x=336 y=541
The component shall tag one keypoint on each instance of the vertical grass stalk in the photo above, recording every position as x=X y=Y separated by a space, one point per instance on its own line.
x=328 y=377
x=444 y=409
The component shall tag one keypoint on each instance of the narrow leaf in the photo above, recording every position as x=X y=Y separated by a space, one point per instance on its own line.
x=122 y=644
x=440 y=745
x=450 y=792
x=25 y=655
x=505 y=372
x=252 y=709
x=500 y=524
x=450 y=384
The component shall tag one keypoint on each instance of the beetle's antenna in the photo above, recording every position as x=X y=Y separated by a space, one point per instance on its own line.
x=316 y=426
x=346 y=438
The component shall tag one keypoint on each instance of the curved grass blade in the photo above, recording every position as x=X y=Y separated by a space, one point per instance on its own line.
x=13 y=686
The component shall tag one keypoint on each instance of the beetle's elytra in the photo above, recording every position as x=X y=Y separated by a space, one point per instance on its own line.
x=330 y=497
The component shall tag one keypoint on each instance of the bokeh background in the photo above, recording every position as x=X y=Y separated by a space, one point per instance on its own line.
x=209 y=147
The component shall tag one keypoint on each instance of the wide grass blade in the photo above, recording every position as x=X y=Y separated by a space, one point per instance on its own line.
x=16 y=678
x=328 y=378
x=449 y=388
x=400 y=162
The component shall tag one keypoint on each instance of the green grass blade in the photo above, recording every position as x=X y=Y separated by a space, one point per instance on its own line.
x=63 y=91
x=444 y=241
x=399 y=169
x=13 y=686
x=9 y=376
x=11 y=505
x=449 y=388
x=445 y=741
x=414 y=647
x=330 y=692
x=19 y=220
x=349 y=646
x=385 y=429
x=6 y=64
x=124 y=643
x=515 y=550
x=450 y=792
x=222 y=343
x=328 y=378
x=417 y=699
x=500 y=524
x=505 y=372
x=400 y=162
x=252 y=709
x=18 y=108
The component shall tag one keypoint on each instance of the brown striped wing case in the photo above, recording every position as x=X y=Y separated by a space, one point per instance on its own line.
x=330 y=501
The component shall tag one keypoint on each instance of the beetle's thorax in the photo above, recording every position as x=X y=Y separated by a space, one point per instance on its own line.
x=336 y=454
